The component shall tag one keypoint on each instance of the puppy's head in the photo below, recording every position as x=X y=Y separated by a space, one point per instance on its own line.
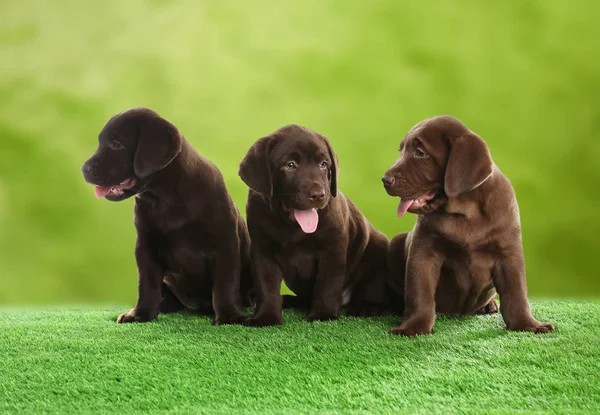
x=132 y=146
x=296 y=168
x=439 y=158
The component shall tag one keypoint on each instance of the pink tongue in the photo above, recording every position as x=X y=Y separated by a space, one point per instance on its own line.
x=101 y=191
x=307 y=219
x=403 y=207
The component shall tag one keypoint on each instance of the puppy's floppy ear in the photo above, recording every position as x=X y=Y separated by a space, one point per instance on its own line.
x=255 y=168
x=334 y=167
x=159 y=142
x=469 y=165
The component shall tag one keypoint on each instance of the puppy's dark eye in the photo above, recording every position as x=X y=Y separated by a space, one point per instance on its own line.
x=420 y=153
x=323 y=164
x=291 y=165
x=115 y=145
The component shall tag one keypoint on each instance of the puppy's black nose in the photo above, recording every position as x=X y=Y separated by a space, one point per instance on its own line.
x=388 y=180
x=86 y=168
x=317 y=195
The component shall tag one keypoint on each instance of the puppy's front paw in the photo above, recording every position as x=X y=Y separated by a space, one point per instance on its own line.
x=126 y=317
x=264 y=320
x=533 y=327
x=544 y=328
x=230 y=319
x=410 y=331
x=134 y=317
x=321 y=317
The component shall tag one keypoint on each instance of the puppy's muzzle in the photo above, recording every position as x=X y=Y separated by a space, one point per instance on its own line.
x=86 y=168
x=316 y=194
x=388 y=181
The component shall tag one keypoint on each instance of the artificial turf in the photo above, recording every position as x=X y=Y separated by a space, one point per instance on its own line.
x=80 y=361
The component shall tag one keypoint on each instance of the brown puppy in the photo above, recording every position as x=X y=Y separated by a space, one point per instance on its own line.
x=192 y=243
x=466 y=243
x=306 y=232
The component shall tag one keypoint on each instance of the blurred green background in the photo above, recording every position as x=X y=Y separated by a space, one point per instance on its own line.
x=523 y=74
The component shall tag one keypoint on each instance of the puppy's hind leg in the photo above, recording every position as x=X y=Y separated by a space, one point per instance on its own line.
x=179 y=293
x=169 y=302
x=371 y=296
x=396 y=271
x=490 y=308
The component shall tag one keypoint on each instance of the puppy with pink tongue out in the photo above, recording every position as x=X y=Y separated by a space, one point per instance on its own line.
x=305 y=232
x=192 y=248
x=465 y=247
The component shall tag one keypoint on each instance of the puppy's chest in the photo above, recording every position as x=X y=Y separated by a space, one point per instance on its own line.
x=469 y=260
x=191 y=237
x=187 y=250
x=458 y=229
x=167 y=220
x=183 y=243
x=298 y=260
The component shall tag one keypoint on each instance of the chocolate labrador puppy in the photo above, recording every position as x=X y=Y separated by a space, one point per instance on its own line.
x=192 y=248
x=466 y=243
x=305 y=232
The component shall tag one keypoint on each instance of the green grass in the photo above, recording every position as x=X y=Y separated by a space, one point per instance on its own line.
x=80 y=361
x=524 y=74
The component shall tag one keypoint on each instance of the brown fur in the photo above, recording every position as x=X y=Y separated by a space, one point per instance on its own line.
x=192 y=248
x=466 y=244
x=342 y=262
